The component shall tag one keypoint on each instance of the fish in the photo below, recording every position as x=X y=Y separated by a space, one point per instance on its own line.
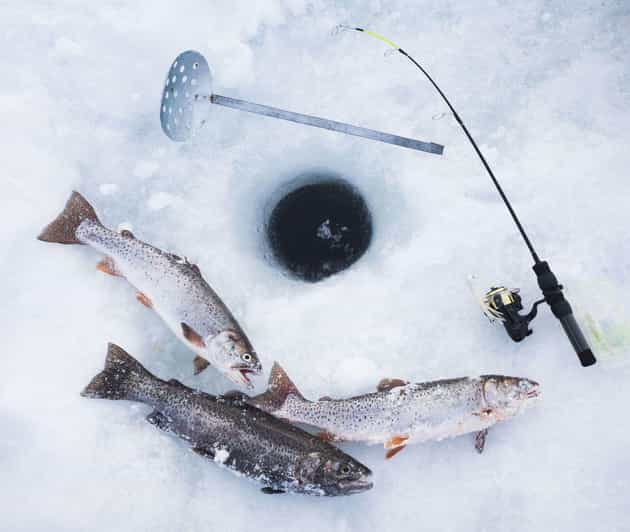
x=167 y=283
x=399 y=412
x=225 y=429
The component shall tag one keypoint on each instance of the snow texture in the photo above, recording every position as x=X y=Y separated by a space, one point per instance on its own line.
x=543 y=86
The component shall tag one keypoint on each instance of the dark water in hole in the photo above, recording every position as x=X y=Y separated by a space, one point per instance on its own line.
x=320 y=229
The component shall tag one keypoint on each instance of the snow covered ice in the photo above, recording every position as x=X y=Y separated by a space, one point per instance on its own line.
x=543 y=87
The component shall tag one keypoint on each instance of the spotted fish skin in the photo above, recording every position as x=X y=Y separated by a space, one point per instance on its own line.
x=408 y=412
x=232 y=433
x=168 y=284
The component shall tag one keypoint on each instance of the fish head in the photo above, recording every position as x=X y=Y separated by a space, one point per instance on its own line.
x=231 y=352
x=509 y=395
x=333 y=474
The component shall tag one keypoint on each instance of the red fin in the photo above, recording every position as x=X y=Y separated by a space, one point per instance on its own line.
x=108 y=266
x=63 y=228
x=279 y=388
x=387 y=384
x=395 y=441
x=328 y=436
x=393 y=452
x=144 y=300
x=192 y=336
x=200 y=364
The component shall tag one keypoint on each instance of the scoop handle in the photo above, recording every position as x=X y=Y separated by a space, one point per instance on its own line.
x=324 y=123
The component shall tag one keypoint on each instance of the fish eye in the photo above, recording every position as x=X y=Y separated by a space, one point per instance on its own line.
x=345 y=469
x=246 y=357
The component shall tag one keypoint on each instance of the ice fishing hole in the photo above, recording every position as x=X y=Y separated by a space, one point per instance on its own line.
x=320 y=228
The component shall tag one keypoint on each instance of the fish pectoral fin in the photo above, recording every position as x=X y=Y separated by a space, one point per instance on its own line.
x=480 y=440
x=192 y=336
x=393 y=452
x=325 y=398
x=271 y=491
x=394 y=445
x=200 y=364
x=161 y=421
x=387 y=384
x=327 y=436
x=144 y=300
x=203 y=451
x=395 y=441
x=108 y=266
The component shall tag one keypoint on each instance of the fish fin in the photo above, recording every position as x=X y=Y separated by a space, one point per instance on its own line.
x=108 y=266
x=140 y=296
x=395 y=441
x=126 y=233
x=325 y=398
x=327 y=436
x=203 y=451
x=393 y=452
x=486 y=412
x=279 y=388
x=271 y=491
x=63 y=228
x=122 y=375
x=161 y=421
x=480 y=440
x=235 y=396
x=177 y=383
x=192 y=336
x=200 y=364
x=387 y=384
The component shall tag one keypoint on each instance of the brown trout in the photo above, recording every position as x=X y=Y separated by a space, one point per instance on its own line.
x=168 y=284
x=399 y=413
x=238 y=436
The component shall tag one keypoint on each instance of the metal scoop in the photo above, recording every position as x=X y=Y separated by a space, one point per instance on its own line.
x=189 y=85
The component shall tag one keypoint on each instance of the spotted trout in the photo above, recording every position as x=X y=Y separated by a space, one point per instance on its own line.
x=227 y=430
x=168 y=284
x=399 y=413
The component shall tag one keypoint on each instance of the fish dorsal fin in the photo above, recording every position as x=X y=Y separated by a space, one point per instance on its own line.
x=387 y=384
x=200 y=363
x=279 y=388
x=177 y=383
x=325 y=398
x=192 y=336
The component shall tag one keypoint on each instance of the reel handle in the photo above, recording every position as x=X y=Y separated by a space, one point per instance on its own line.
x=562 y=310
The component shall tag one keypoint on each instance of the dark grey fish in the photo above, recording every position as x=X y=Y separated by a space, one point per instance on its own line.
x=234 y=434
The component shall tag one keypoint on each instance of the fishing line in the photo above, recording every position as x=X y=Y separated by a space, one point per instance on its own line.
x=503 y=302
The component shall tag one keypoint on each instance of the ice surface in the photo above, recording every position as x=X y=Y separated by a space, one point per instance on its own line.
x=544 y=87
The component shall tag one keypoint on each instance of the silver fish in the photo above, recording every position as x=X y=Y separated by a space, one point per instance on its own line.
x=399 y=413
x=168 y=284
x=232 y=433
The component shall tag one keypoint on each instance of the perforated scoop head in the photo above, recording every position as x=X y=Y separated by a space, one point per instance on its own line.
x=187 y=87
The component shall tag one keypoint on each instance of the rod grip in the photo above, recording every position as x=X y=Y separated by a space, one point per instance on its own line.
x=562 y=310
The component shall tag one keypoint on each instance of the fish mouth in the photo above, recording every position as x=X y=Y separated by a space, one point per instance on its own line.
x=534 y=392
x=349 y=487
x=240 y=375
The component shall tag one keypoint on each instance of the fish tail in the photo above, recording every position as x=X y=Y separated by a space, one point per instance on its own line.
x=62 y=229
x=279 y=388
x=122 y=378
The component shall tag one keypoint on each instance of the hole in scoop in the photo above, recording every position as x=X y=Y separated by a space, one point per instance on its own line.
x=320 y=228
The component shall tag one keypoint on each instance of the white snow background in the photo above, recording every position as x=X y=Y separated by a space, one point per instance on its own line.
x=544 y=88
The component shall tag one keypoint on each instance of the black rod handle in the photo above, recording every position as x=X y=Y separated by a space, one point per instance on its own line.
x=562 y=310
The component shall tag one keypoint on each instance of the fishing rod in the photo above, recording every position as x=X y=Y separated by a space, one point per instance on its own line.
x=501 y=303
